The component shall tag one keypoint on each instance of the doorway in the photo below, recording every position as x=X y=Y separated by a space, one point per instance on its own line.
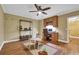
x=73 y=27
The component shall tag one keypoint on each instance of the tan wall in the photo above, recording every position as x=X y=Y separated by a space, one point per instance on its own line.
x=12 y=24
x=62 y=23
x=62 y=26
x=1 y=26
x=41 y=28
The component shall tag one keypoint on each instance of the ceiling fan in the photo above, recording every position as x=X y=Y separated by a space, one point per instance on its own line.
x=40 y=9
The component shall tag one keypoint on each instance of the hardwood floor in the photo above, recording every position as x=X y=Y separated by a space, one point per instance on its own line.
x=14 y=48
x=71 y=48
x=17 y=48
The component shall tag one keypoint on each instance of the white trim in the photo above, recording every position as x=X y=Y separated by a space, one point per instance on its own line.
x=68 y=32
x=7 y=41
x=74 y=37
x=63 y=41
x=2 y=45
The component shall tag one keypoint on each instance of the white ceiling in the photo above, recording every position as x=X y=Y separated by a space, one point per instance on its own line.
x=22 y=9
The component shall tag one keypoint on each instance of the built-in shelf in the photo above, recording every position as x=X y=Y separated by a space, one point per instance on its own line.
x=25 y=29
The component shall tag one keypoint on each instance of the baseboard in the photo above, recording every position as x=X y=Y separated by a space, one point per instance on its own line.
x=74 y=37
x=7 y=41
x=2 y=45
x=63 y=41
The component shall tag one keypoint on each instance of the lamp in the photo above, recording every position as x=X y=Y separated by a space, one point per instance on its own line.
x=51 y=27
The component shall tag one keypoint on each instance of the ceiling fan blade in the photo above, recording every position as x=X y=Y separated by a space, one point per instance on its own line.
x=37 y=14
x=32 y=11
x=37 y=7
x=46 y=8
x=44 y=13
x=40 y=8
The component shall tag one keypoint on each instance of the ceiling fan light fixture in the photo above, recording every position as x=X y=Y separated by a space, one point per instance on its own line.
x=39 y=12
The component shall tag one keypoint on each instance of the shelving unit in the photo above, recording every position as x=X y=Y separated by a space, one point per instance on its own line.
x=25 y=29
